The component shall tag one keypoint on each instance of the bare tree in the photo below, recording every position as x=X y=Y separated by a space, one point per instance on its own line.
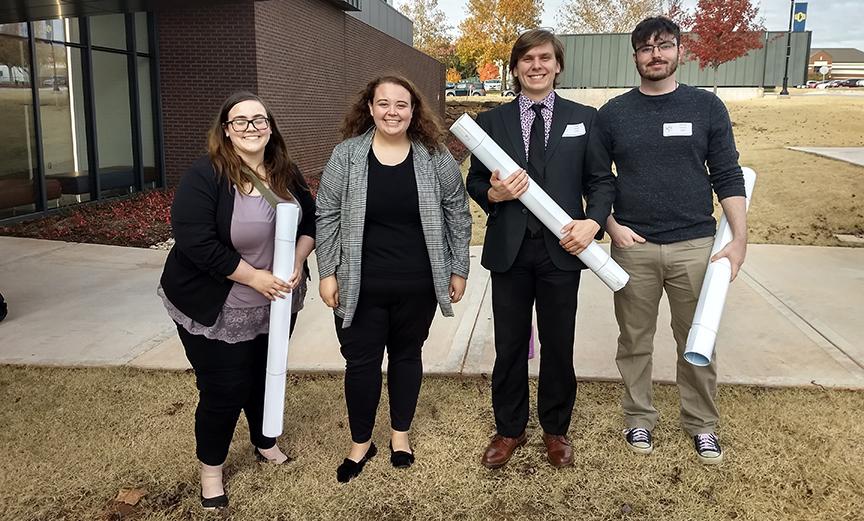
x=431 y=31
x=610 y=16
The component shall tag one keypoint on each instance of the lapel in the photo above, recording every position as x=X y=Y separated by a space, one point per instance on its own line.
x=513 y=127
x=422 y=169
x=560 y=117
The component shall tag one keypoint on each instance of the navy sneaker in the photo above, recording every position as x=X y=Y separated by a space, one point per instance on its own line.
x=708 y=448
x=639 y=440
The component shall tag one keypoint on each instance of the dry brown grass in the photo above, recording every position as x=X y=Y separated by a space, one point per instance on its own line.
x=799 y=198
x=72 y=438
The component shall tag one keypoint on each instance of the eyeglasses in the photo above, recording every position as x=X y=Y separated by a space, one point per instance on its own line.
x=648 y=50
x=242 y=124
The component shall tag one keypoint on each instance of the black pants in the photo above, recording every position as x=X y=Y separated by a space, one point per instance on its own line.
x=533 y=277
x=397 y=315
x=230 y=378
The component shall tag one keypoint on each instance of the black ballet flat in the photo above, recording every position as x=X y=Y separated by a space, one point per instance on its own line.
x=350 y=469
x=400 y=459
x=212 y=503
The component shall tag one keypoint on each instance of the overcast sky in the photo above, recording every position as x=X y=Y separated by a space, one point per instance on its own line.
x=833 y=23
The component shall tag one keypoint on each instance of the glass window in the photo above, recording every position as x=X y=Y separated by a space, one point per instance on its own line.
x=141 y=33
x=64 y=134
x=18 y=167
x=59 y=30
x=108 y=31
x=113 y=123
x=145 y=102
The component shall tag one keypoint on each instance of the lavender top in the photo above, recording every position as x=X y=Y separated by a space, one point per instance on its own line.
x=526 y=116
x=246 y=313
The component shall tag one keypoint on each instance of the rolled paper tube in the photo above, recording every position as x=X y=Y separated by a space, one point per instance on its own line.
x=536 y=200
x=287 y=217
x=712 y=298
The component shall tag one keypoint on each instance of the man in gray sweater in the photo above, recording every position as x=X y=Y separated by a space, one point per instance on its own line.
x=661 y=136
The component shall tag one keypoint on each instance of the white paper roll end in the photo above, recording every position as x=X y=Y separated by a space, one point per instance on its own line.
x=700 y=345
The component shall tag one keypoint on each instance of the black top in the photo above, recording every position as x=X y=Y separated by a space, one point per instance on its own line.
x=393 y=241
x=194 y=277
x=660 y=146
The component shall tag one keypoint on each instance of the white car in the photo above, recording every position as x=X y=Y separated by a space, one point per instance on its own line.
x=492 y=84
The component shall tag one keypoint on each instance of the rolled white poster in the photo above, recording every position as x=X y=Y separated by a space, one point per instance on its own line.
x=536 y=199
x=715 y=286
x=287 y=217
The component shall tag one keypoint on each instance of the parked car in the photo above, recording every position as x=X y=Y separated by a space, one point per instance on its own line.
x=492 y=85
x=811 y=84
x=49 y=82
x=466 y=89
x=508 y=93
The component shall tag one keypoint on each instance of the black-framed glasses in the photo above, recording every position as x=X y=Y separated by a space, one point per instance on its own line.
x=242 y=124
x=663 y=47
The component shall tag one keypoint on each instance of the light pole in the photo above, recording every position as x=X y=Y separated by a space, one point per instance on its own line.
x=785 y=91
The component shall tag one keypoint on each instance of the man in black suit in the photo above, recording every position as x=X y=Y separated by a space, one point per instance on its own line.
x=548 y=137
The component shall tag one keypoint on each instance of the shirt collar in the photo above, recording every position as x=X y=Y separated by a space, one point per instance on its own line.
x=525 y=103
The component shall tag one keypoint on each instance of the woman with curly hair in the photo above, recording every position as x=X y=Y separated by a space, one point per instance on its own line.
x=391 y=201
x=218 y=282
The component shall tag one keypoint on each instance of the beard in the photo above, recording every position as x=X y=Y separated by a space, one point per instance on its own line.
x=656 y=74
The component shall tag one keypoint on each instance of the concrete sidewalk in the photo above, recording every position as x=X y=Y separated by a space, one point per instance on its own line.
x=792 y=318
x=854 y=155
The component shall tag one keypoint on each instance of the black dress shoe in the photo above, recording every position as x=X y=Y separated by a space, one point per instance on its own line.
x=350 y=469
x=400 y=458
x=212 y=503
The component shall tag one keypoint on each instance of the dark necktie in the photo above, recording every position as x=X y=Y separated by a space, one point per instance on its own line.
x=536 y=159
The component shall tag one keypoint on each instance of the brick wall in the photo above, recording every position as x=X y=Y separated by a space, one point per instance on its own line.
x=205 y=54
x=306 y=58
x=312 y=62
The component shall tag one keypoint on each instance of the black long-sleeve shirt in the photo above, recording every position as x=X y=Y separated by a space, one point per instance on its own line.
x=661 y=146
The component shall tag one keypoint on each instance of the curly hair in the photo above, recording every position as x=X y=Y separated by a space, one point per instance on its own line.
x=283 y=175
x=425 y=125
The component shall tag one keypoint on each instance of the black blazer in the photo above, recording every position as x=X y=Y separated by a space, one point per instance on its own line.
x=195 y=275
x=570 y=175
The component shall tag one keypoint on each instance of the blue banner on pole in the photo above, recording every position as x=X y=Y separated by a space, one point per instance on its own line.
x=799 y=19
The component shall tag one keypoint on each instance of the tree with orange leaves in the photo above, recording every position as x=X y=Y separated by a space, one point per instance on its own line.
x=490 y=29
x=488 y=71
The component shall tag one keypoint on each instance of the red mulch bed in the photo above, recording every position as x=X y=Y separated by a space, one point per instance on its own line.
x=141 y=220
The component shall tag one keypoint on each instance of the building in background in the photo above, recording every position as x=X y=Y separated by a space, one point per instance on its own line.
x=843 y=63
x=100 y=98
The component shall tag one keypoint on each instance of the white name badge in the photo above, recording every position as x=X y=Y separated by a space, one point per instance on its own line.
x=574 y=130
x=677 y=129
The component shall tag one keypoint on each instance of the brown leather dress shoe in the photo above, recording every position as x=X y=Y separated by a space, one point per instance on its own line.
x=500 y=450
x=558 y=450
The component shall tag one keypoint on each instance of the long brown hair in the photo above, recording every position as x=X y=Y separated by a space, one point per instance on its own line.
x=425 y=125
x=283 y=176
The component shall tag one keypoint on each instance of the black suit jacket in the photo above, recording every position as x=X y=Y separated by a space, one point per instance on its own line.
x=571 y=174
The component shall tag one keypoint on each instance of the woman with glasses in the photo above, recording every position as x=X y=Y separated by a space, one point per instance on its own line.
x=393 y=232
x=217 y=283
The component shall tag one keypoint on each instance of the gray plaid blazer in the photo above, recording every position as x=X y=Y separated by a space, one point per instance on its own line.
x=341 y=215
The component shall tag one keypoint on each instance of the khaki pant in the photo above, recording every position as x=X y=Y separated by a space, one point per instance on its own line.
x=679 y=269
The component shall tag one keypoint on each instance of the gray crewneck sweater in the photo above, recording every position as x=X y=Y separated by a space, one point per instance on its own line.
x=660 y=146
